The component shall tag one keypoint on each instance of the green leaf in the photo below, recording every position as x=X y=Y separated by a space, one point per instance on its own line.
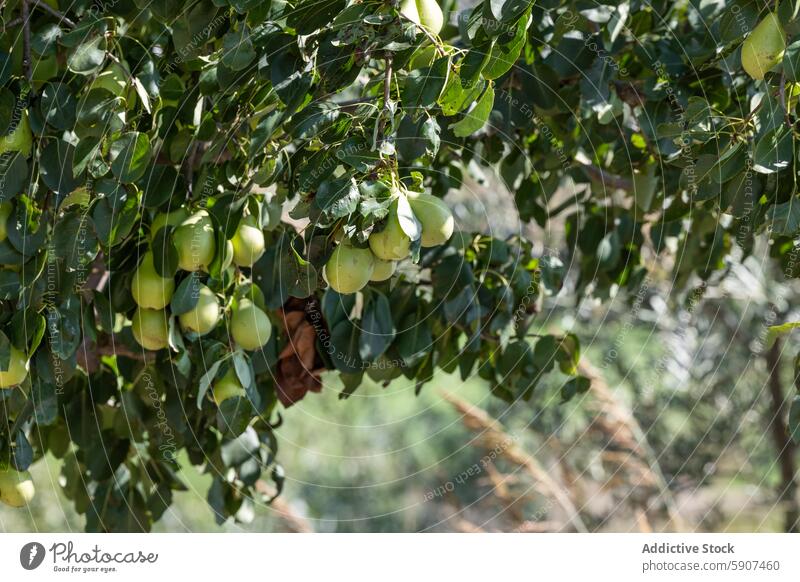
x=417 y=139
x=791 y=62
x=130 y=155
x=776 y=331
x=205 y=382
x=786 y=218
x=345 y=340
x=237 y=49
x=477 y=117
x=423 y=87
x=407 y=219
x=5 y=351
x=241 y=449
x=377 y=329
x=508 y=10
x=504 y=55
x=337 y=198
x=58 y=105
x=774 y=151
x=165 y=255
x=574 y=386
x=186 y=295
x=88 y=57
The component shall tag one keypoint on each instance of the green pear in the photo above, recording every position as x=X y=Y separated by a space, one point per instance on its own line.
x=392 y=243
x=250 y=326
x=5 y=212
x=383 y=270
x=227 y=387
x=20 y=139
x=194 y=239
x=150 y=289
x=16 y=488
x=203 y=317
x=764 y=48
x=17 y=369
x=425 y=13
x=434 y=216
x=349 y=269
x=248 y=242
x=163 y=219
x=150 y=328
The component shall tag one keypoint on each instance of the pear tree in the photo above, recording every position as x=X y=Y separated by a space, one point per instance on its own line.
x=190 y=187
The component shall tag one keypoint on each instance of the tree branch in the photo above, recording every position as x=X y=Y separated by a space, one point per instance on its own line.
x=26 y=40
x=617 y=182
x=783 y=443
x=53 y=12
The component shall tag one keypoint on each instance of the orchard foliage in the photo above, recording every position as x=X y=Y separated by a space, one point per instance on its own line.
x=158 y=307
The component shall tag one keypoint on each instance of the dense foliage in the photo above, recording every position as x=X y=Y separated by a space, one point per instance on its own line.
x=150 y=148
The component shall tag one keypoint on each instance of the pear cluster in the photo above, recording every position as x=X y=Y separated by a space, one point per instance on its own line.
x=193 y=235
x=350 y=269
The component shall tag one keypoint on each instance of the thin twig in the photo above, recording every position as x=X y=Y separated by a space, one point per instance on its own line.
x=26 y=40
x=387 y=92
x=782 y=91
x=436 y=42
x=52 y=11
x=22 y=416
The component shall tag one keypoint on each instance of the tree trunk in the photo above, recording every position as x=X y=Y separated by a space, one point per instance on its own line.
x=785 y=446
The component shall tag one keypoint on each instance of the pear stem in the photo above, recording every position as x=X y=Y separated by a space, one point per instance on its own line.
x=436 y=42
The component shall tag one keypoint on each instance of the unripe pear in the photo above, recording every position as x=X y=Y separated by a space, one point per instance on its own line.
x=203 y=317
x=435 y=217
x=383 y=270
x=426 y=13
x=194 y=240
x=150 y=328
x=16 y=488
x=17 y=369
x=163 y=219
x=390 y=244
x=19 y=140
x=764 y=48
x=250 y=326
x=5 y=212
x=349 y=269
x=227 y=387
x=150 y=289
x=248 y=242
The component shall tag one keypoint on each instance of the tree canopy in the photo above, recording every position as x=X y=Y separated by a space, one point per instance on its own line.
x=149 y=150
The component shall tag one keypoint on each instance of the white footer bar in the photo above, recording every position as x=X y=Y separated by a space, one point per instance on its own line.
x=389 y=557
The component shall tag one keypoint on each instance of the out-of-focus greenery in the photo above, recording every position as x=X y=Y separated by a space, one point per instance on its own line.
x=373 y=462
